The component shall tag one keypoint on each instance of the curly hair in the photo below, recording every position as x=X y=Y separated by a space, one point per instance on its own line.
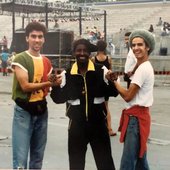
x=35 y=26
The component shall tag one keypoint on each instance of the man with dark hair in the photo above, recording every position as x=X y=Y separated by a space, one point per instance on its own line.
x=84 y=87
x=135 y=120
x=30 y=87
x=35 y=26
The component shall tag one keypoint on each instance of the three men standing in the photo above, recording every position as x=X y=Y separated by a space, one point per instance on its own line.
x=83 y=87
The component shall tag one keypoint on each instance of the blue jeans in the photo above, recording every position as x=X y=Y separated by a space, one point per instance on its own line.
x=130 y=158
x=29 y=135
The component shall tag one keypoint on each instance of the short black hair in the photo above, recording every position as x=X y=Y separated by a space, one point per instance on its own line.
x=90 y=47
x=35 y=26
x=101 y=45
x=127 y=34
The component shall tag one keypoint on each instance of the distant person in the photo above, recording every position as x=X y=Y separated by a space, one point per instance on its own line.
x=112 y=48
x=56 y=25
x=151 y=29
x=30 y=88
x=159 y=22
x=165 y=29
x=135 y=119
x=4 y=58
x=5 y=41
x=130 y=63
x=104 y=59
x=102 y=36
x=84 y=87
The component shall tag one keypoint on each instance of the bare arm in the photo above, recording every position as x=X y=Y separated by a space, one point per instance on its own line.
x=110 y=63
x=22 y=77
x=127 y=94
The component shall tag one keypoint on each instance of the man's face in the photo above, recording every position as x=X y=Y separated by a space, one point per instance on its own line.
x=139 y=48
x=35 y=40
x=82 y=54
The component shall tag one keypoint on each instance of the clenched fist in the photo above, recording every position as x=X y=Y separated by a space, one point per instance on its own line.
x=112 y=76
x=56 y=80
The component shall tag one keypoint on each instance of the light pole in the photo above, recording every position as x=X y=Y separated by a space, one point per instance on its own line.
x=105 y=25
x=46 y=14
x=80 y=21
x=13 y=24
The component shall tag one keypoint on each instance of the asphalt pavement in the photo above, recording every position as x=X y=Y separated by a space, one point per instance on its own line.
x=56 y=156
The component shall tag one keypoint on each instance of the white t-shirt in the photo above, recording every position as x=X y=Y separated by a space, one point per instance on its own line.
x=144 y=78
x=130 y=61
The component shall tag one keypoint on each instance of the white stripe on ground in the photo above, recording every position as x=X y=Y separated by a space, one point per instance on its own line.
x=160 y=124
x=158 y=141
x=58 y=124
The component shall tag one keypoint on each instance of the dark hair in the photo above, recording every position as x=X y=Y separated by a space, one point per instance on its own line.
x=90 y=47
x=127 y=34
x=101 y=45
x=35 y=26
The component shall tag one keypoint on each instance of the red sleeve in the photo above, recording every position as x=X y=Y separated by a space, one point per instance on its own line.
x=47 y=70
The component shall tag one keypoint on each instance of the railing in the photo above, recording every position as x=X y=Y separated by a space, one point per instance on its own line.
x=60 y=60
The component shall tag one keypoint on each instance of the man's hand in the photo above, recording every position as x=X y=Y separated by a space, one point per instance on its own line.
x=108 y=75
x=112 y=76
x=56 y=80
x=130 y=73
x=52 y=78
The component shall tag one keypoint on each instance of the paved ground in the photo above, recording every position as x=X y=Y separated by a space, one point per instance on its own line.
x=56 y=156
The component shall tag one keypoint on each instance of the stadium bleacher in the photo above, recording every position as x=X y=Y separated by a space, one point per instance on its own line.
x=125 y=17
x=119 y=16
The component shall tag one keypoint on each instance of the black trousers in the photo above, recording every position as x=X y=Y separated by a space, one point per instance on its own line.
x=81 y=134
